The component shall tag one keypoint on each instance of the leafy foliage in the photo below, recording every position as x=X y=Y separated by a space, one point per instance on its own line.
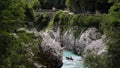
x=111 y=26
x=11 y=51
x=96 y=61
x=82 y=6
x=42 y=21
x=11 y=14
x=30 y=14
x=49 y=4
x=78 y=22
x=12 y=43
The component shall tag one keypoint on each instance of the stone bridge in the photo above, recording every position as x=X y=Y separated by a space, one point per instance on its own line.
x=49 y=12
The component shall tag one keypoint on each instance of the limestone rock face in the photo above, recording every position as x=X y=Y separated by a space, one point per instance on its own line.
x=95 y=47
x=90 y=39
x=68 y=40
x=51 y=52
x=77 y=45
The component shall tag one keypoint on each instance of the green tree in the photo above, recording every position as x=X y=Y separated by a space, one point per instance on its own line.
x=60 y=4
x=42 y=21
x=47 y=4
x=12 y=17
x=83 y=6
x=29 y=7
x=11 y=14
x=111 y=26
x=96 y=61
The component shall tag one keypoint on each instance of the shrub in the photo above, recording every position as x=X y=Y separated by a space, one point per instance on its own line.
x=96 y=61
x=42 y=21
x=78 y=22
x=111 y=26
x=12 y=54
x=30 y=14
x=92 y=21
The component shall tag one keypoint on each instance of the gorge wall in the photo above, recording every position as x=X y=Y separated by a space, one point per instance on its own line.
x=91 y=40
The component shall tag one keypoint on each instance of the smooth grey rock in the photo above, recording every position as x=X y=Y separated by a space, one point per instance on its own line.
x=95 y=47
x=39 y=65
x=68 y=40
x=79 y=45
x=51 y=52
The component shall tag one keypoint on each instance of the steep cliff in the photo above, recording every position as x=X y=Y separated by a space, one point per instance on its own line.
x=90 y=40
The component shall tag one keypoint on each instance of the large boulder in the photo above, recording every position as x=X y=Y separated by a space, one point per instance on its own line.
x=51 y=52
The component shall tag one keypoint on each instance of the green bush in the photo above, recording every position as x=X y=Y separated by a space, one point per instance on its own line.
x=92 y=21
x=96 y=61
x=12 y=54
x=42 y=21
x=79 y=22
x=111 y=27
x=29 y=14
x=12 y=44
x=61 y=20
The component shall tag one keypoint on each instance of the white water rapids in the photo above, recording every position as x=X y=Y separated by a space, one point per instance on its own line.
x=75 y=63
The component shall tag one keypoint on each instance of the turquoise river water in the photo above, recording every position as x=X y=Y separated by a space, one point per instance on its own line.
x=75 y=63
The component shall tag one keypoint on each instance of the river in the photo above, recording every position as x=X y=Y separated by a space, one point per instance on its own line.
x=75 y=63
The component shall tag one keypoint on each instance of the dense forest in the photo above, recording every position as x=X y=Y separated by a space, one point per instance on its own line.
x=15 y=14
